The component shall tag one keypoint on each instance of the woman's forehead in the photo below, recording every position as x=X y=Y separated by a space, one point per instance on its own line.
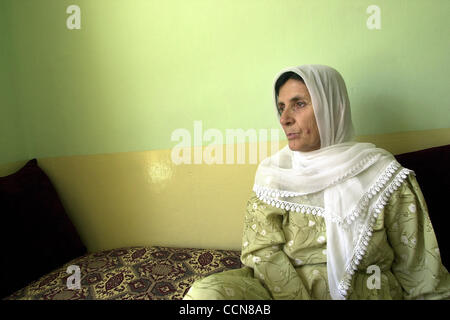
x=292 y=91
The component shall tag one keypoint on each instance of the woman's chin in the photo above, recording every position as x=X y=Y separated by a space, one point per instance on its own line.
x=295 y=145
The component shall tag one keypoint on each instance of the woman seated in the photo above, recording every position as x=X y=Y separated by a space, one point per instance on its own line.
x=330 y=218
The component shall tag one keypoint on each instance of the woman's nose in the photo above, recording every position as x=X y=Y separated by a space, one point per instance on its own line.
x=285 y=118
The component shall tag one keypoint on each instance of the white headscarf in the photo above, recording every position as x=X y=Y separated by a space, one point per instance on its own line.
x=351 y=182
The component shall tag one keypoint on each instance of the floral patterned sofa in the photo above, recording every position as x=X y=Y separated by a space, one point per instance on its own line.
x=135 y=273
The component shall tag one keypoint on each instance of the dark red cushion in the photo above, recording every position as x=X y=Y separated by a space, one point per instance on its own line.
x=433 y=175
x=37 y=236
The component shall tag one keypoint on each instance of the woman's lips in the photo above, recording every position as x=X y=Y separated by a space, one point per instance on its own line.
x=291 y=136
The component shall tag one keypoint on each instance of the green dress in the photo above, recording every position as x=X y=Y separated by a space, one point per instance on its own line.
x=284 y=254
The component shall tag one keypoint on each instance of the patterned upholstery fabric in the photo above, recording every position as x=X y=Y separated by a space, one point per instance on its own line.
x=135 y=273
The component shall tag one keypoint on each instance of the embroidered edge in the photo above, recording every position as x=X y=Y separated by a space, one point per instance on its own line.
x=375 y=189
x=276 y=193
x=268 y=195
x=264 y=196
x=366 y=232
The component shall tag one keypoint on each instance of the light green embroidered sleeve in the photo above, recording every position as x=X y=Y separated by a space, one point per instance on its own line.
x=417 y=264
x=263 y=238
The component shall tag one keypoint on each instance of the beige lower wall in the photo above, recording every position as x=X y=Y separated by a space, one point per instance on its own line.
x=142 y=198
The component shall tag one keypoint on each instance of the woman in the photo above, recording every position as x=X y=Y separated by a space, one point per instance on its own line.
x=330 y=218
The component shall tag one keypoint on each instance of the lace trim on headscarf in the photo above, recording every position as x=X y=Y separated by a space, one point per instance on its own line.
x=370 y=159
x=366 y=231
x=271 y=197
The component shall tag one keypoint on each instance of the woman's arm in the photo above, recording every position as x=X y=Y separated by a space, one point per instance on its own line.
x=417 y=264
x=263 y=239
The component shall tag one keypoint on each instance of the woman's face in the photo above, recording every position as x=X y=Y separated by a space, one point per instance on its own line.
x=297 y=116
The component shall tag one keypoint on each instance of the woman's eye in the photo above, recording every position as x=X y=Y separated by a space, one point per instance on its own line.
x=298 y=104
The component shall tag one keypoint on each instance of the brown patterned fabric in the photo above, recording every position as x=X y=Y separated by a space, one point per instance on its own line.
x=135 y=273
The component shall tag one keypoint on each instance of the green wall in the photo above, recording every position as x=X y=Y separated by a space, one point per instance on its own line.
x=137 y=70
x=12 y=143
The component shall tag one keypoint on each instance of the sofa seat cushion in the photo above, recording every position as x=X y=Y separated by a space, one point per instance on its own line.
x=133 y=273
